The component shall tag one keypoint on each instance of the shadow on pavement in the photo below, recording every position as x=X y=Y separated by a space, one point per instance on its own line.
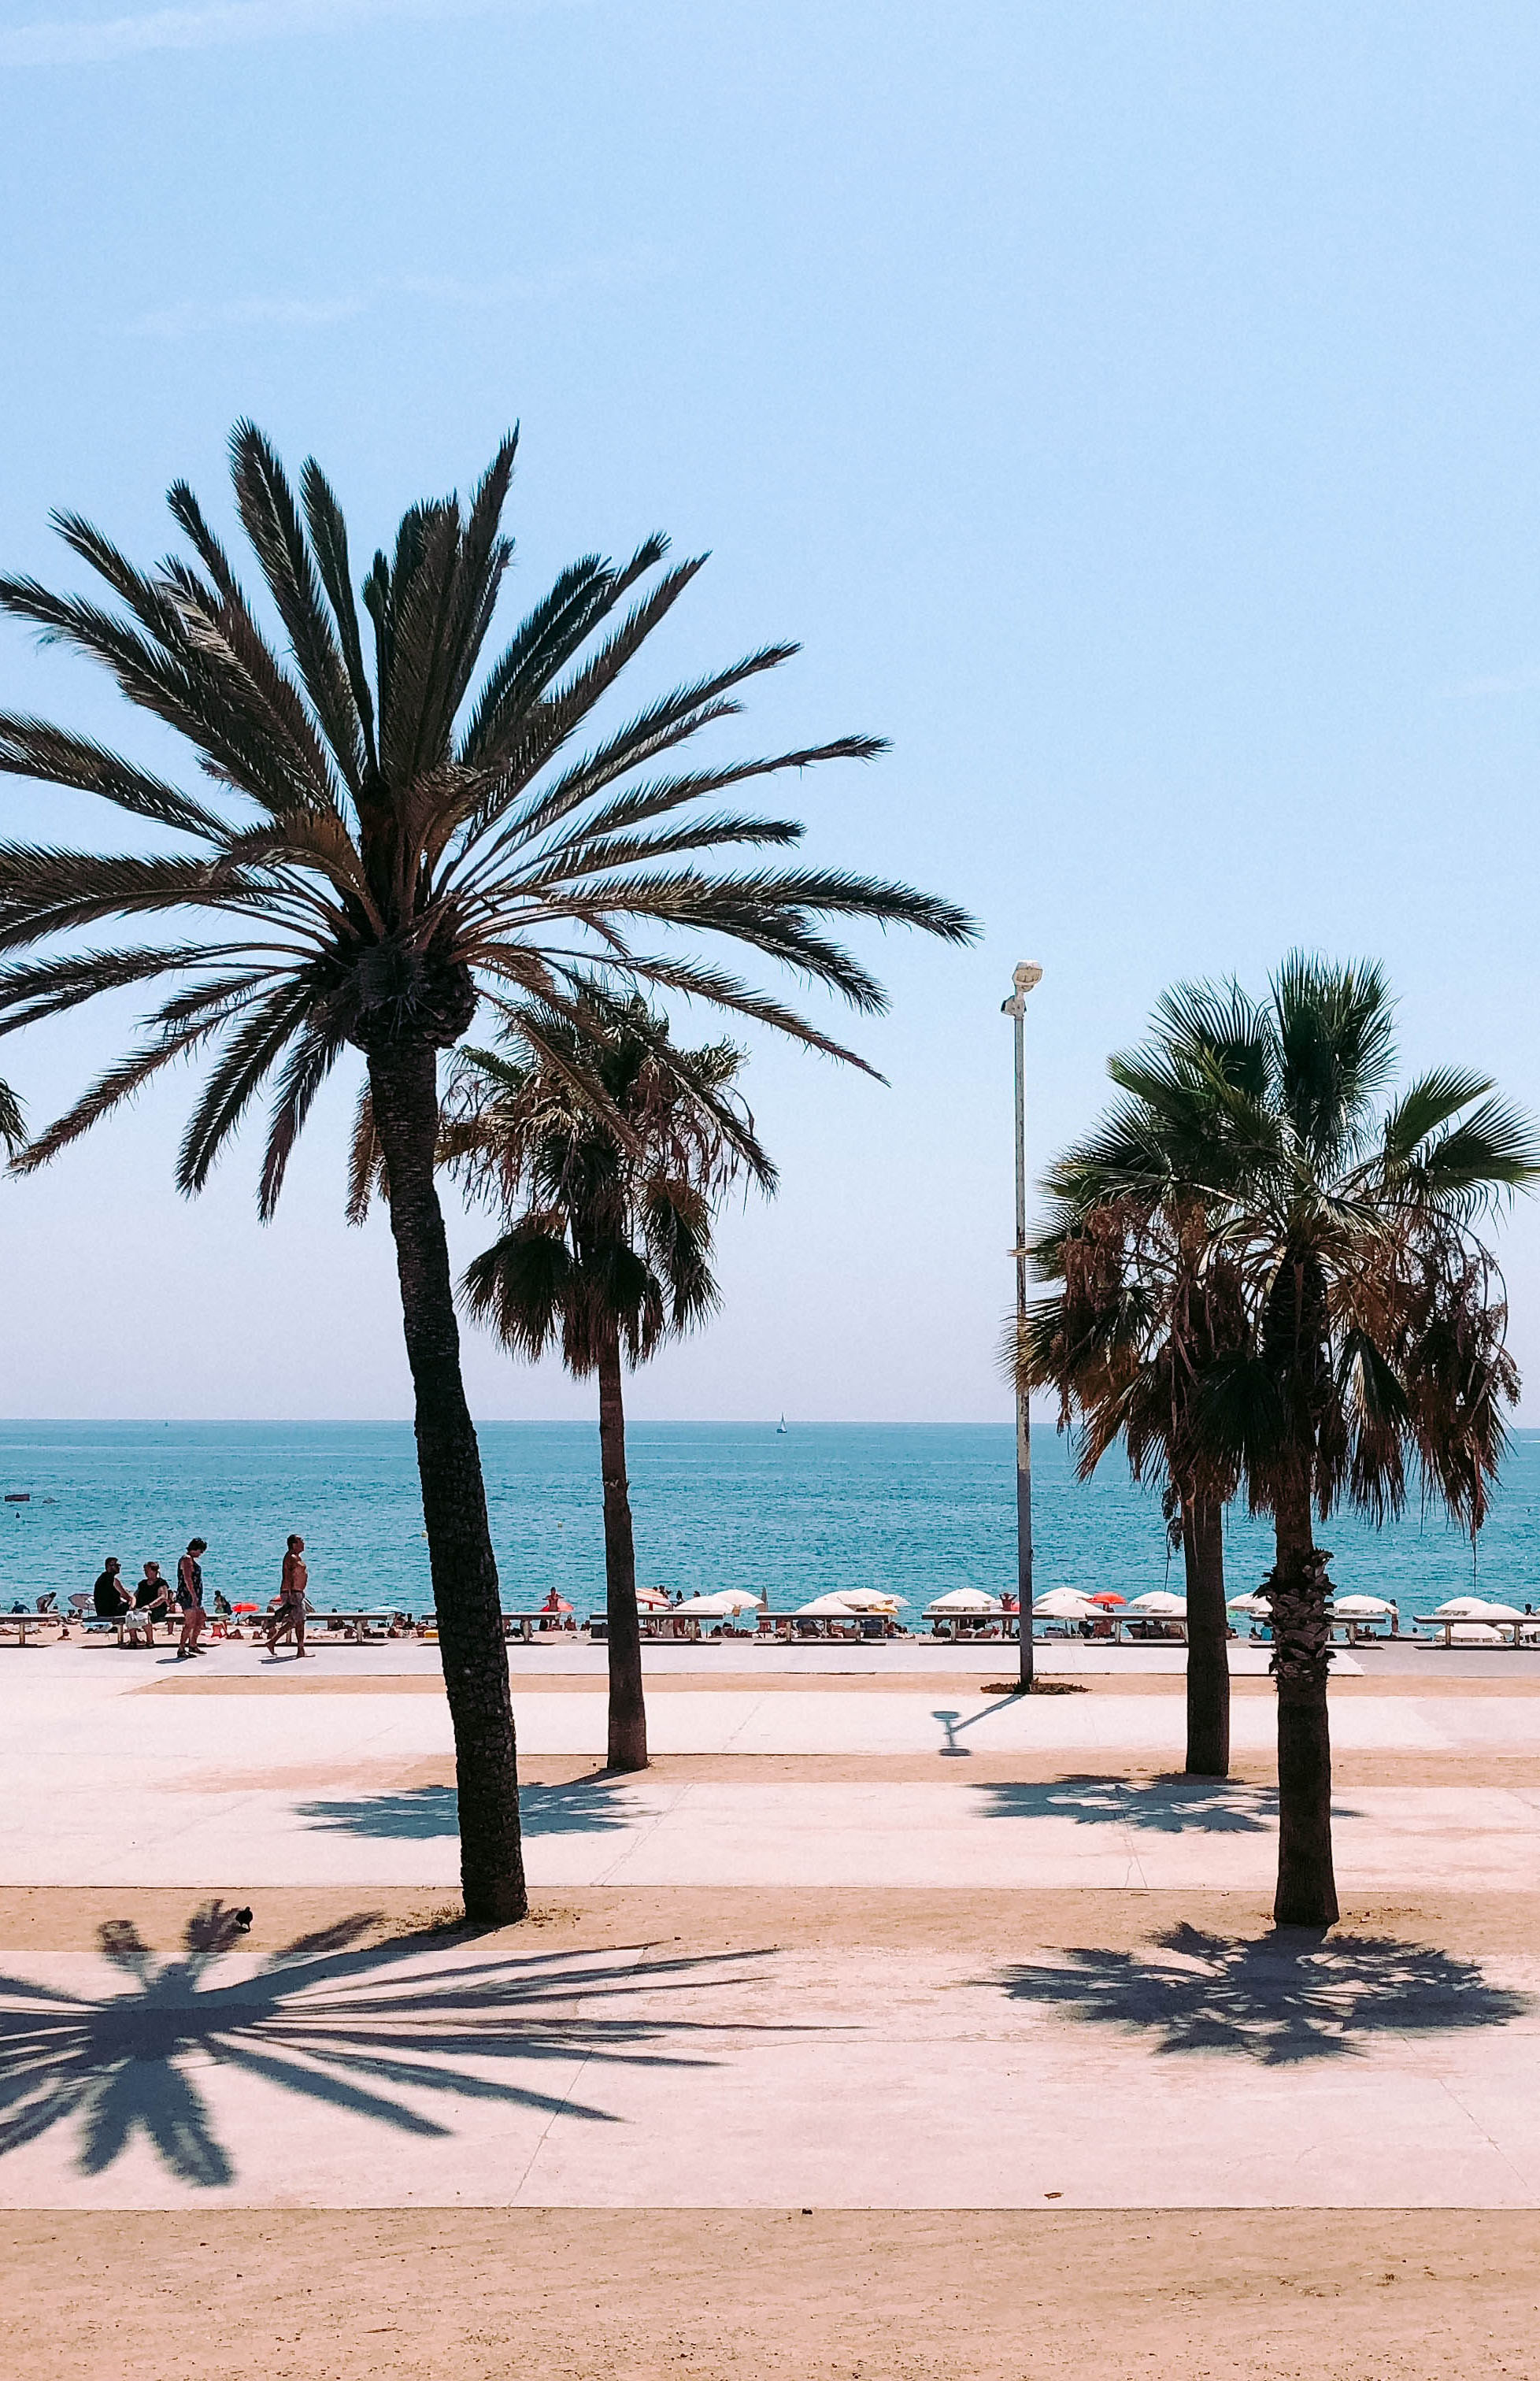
x=587 y=1807
x=1278 y=2001
x=366 y=2030
x=1166 y=1805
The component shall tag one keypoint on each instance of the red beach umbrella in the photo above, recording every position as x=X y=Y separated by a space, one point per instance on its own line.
x=1107 y=1596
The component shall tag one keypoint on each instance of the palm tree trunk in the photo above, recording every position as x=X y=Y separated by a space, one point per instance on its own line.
x=403 y=1079
x=628 y=1708
x=1203 y=1548
x=1306 y=1888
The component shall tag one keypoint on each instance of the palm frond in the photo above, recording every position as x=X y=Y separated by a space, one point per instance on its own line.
x=13 y=1126
x=314 y=1054
x=272 y=520
x=31 y=748
x=249 y=1056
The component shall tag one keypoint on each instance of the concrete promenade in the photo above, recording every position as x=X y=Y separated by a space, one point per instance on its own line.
x=881 y=1938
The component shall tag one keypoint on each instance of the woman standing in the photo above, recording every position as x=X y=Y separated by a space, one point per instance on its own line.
x=189 y=1596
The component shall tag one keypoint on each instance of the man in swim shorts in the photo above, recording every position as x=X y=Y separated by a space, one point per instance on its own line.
x=289 y=1619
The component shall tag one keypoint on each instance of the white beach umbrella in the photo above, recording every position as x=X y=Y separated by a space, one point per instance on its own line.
x=717 y=1608
x=1064 y=1603
x=654 y=1599
x=868 y=1599
x=826 y=1608
x=1472 y=1607
x=1360 y=1607
x=962 y=1599
x=1258 y=1604
x=1162 y=1603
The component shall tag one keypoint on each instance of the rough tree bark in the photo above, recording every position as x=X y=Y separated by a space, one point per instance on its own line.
x=628 y=1708
x=403 y=1079
x=1301 y=1633
x=1202 y=1547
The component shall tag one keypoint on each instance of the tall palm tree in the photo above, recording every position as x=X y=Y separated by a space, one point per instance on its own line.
x=606 y=1249
x=377 y=846
x=13 y=1129
x=1374 y=1349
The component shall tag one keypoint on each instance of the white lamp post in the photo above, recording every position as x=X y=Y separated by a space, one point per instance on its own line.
x=1023 y=977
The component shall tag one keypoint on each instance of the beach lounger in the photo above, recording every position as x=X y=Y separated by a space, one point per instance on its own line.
x=33 y=1622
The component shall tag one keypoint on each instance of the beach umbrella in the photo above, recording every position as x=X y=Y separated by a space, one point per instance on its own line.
x=1162 y=1603
x=1063 y=1604
x=868 y=1599
x=654 y=1599
x=962 y=1599
x=716 y=1607
x=1107 y=1596
x=1259 y=1604
x=826 y=1608
x=1472 y=1607
x=1363 y=1608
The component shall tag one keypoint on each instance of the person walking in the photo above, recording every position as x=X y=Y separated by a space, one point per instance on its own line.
x=289 y=1619
x=189 y=1598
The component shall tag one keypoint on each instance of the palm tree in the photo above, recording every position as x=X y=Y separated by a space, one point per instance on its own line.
x=611 y=1250
x=1145 y=1306
x=1376 y=1320
x=13 y=1129
x=375 y=850
x=1150 y=1300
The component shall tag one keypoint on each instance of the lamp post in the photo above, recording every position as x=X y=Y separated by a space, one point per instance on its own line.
x=1023 y=977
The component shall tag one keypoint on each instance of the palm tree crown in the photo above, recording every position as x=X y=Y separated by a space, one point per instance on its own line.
x=1351 y=1219
x=612 y=1247
x=380 y=844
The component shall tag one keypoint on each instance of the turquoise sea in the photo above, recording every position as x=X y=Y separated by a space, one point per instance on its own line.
x=915 y=1510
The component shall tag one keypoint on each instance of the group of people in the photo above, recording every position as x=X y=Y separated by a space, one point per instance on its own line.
x=156 y=1598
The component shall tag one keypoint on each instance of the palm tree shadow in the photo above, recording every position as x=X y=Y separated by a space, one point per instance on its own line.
x=1279 y=2000
x=1161 y=1805
x=350 y=2026
x=585 y=1807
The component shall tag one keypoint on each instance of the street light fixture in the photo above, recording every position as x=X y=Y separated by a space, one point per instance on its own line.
x=1023 y=977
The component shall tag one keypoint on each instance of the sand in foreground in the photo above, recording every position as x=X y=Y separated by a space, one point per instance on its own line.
x=828 y=2296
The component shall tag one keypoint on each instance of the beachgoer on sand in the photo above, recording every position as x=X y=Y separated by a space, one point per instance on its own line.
x=189 y=1598
x=289 y=1619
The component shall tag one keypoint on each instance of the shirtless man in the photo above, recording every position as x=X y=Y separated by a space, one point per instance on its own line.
x=289 y=1619
x=190 y=1597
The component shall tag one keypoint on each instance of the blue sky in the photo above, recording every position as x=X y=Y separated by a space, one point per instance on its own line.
x=1132 y=408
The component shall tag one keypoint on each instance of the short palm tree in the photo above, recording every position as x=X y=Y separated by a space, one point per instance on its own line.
x=1145 y=1307
x=607 y=1250
x=376 y=847
x=1375 y=1349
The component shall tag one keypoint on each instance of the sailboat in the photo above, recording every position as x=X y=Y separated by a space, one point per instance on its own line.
x=780 y=1427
